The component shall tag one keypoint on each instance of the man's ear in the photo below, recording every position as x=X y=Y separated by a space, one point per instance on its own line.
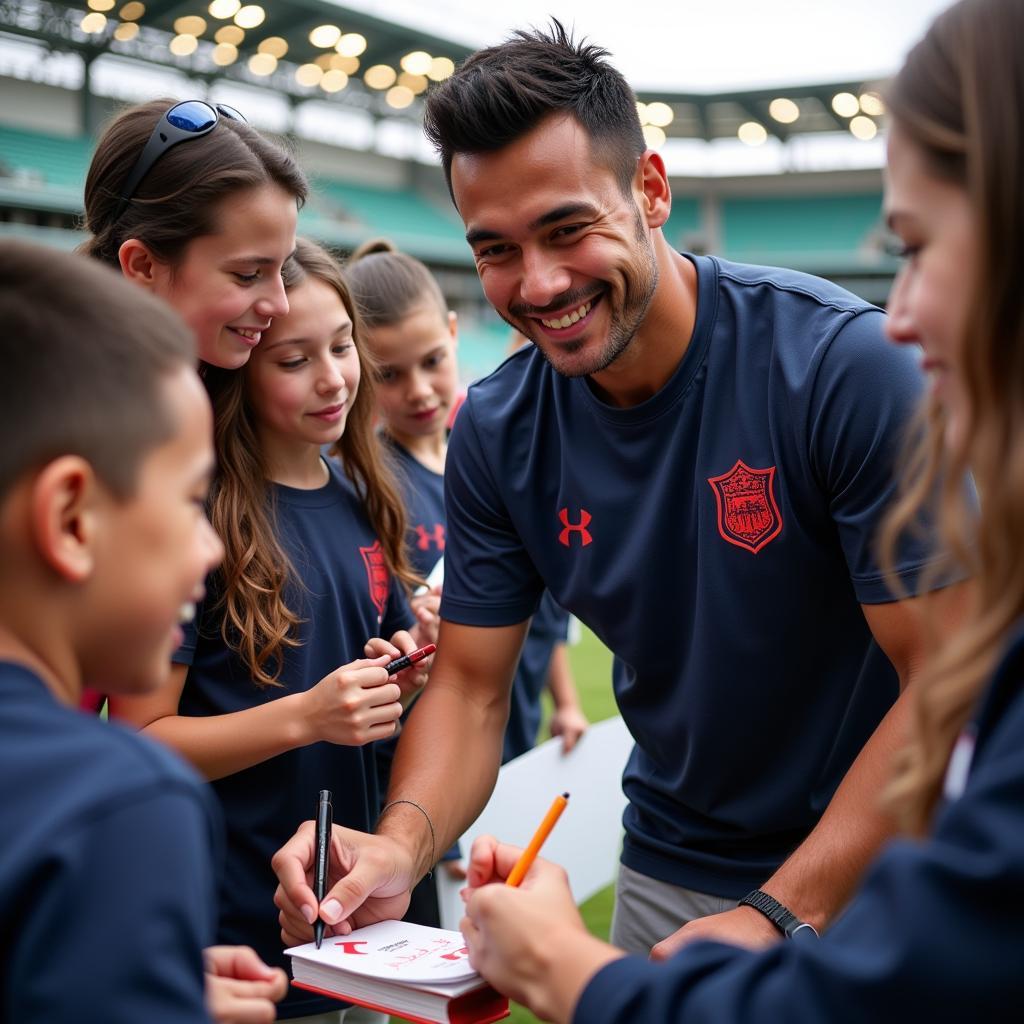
x=64 y=508
x=655 y=193
x=138 y=264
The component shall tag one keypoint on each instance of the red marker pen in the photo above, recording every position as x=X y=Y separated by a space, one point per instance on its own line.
x=410 y=659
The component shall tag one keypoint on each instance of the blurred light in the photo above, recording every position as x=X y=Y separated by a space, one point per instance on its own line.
x=262 y=64
x=274 y=45
x=182 y=46
x=871 y=103
x=190 y=25
x=641 y=112
x=752 y=133
x=230 y=34
x=845 y=104
x=323 y=62
x=654 y=136
x=93 y=23
x=100 y=5
x=659 y=114
x=224 y=8
x=224 y=54
x=417 y=63
x=334 y=81
x=351 y=44
x=863 y=128
x=414 y=83
x=380 y=76
x=309 y=74
x=784 y=110
x=125 y=31
x=399 y=97
x=350 y=65
x=250 y=16
x=325 y=36
x=132 y=11
x=440 y=69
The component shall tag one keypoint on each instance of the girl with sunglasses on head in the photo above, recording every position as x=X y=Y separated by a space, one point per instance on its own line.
x=934 y=933
x=192 y=203
x=272 y=698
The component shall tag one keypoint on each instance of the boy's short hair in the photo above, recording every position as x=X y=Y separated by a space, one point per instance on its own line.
x=83 y=354
x=503 y=92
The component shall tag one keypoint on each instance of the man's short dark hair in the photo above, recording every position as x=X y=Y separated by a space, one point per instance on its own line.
x=504 y=92
x=83 y=356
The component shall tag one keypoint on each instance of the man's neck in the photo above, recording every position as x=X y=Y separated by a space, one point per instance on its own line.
x=661 y=341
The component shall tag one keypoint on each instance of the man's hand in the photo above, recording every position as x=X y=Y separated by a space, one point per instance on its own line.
x=743 y=926
x=369 y=878
x=240 y=987
x=529 y=942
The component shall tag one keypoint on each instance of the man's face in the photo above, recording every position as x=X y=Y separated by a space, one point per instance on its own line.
x=563 y=255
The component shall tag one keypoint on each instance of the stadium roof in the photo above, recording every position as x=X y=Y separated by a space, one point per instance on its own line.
x=305 y=49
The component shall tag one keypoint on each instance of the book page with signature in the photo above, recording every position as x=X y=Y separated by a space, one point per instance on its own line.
x=396 y=951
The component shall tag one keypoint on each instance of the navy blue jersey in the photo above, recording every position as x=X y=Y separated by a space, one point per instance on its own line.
x=423 y=491
x=719 y=538
x=933 y=935
x=107 y=889
x=346 y=596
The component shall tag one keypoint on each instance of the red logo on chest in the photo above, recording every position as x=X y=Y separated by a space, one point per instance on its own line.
x=579 y=528
x=434 y=537
x=748 y=515
x=377 y=575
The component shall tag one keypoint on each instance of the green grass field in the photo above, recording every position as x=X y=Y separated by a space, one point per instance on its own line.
x=592 y=668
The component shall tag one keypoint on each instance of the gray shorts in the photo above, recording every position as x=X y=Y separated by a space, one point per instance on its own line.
x=647 y=911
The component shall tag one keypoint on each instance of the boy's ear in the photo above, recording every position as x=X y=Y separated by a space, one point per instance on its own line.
x=63 y=510
x=138 y=264
x=655 y=193
x=453 y=326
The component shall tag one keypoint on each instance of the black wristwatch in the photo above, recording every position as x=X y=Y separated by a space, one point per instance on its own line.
x=784 y=919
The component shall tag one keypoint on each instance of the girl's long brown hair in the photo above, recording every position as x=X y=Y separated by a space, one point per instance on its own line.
x=959 y=98
x=258 y=622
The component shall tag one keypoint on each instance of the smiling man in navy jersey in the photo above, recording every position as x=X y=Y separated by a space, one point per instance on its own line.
x=693 y=459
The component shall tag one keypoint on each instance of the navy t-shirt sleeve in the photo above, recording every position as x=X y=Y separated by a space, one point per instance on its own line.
x=125 y=905
x=489 y=578
x=865 y=393
x=933 y=935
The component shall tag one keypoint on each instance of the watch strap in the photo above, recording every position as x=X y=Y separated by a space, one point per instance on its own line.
x=782 y=917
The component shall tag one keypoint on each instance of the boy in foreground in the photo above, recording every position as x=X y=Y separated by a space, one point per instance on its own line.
x=107 y=892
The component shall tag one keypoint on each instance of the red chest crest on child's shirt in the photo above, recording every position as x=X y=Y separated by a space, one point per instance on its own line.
x=376 y=575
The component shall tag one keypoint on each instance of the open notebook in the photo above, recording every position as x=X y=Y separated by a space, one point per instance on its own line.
x=406 y=970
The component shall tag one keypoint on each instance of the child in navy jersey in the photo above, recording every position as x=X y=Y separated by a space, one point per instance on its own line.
x=413 y=336
x=271 y=697
x=107 y=874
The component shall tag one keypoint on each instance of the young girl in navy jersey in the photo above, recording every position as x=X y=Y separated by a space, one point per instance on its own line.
x=413 y=337
x=272 y=698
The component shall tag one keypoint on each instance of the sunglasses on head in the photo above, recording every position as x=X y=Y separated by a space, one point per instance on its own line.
x=191 y=119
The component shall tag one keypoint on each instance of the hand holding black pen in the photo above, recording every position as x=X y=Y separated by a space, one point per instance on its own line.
x=323 y=855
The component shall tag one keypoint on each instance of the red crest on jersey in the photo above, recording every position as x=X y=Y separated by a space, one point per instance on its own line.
x=377 y=575
x=748 y=515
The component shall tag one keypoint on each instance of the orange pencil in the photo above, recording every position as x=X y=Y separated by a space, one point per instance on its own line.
x=529 y=855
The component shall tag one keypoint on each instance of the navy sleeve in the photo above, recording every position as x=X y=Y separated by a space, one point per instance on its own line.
x=124 y=905
x=489 y=579
x=865 y=393
x=934 y=935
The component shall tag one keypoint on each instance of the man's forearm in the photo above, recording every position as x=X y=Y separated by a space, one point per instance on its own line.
x=818 y=878
x=446 y=762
